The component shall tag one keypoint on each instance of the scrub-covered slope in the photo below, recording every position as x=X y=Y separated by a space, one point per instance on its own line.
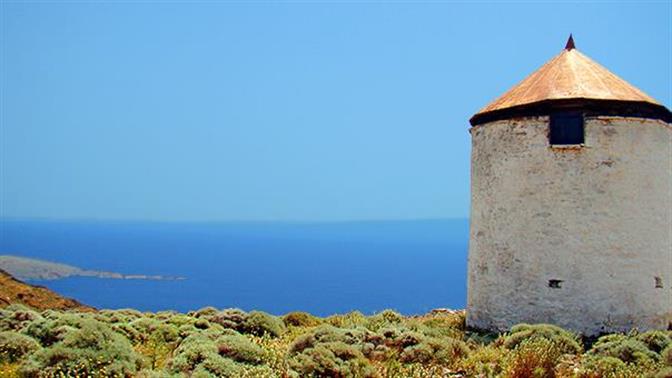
x=13 y=291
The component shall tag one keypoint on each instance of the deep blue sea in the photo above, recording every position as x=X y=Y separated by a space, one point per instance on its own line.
x=322 y=268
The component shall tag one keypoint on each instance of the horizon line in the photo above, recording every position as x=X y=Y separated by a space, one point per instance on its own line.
x=230 y=221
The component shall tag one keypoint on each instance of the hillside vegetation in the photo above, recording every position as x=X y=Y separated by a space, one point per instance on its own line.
x=13 y=291
x=232 y=343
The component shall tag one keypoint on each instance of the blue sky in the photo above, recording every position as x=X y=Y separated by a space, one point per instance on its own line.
x=278 y=111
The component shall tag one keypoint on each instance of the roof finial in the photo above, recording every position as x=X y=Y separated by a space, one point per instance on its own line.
x=570 y=43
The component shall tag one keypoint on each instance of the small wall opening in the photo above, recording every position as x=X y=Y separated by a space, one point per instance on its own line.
x=555 y=284
x=566 y=128
x=659 y=282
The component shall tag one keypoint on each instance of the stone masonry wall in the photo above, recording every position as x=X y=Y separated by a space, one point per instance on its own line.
x=579 y=237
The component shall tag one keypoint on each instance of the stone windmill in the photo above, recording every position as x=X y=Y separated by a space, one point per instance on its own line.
x=571 y=209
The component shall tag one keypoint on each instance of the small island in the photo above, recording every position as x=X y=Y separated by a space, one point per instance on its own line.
x=25 y=268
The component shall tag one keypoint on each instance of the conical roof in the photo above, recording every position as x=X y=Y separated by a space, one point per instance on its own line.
x=568 y=76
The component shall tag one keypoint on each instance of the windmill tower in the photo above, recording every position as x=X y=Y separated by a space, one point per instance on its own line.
x=571 y=208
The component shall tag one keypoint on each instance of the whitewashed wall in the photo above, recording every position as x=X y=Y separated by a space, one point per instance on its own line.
x=598 y=218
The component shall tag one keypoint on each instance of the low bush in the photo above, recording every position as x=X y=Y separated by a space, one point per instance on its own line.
x=205 y=312
x=664 y=372
x=230 y=318
x=300 y=319
x=198 y=356
x=16 y=317
x=431 y=350
x=601 y=367
x=534 y=357
x=627 y=349
x=202 y=324
x=239 y=348
x=92 y=350
x=656 y=341
x=486 y=361
x=219 y=367
x=179 y=320
x=331 y=359
x=350 y=320
x=50 y=330
x=327 y=333
x=157 y=344
x=666 y=356
x=389 y=343
x=191 y=352
x=382 y=319
x=451 y=325
x=567 y=342
x=259 y=323
x=14 y=346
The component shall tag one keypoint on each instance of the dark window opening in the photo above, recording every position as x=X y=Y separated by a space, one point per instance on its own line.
x=566 y=128
x=555 y=284
x=659 y=282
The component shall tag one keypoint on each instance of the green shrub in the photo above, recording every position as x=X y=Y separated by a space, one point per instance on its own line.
x=656 y=341
x=331 y=359
x=376 y=351
x=333 y=352
x=220 y=367
x=486 y=361
x=166 y=333
x=434 y=350
x=16 y=317
x=327 y=333
x=432 y=330
x=132 y=334
x=92 y=350
x=126 y=315
x=54 y=329
x=604 y=367
x=158 y=345
x=627 y=349
x=216 y=330
x=238 y=348
x=114 y=316
x=666 y=356
x=151 y=373
x=145 y=325
x=534 y=357
x=349 y=320
x=451 y=325
x=165 y=315
x=610 y=338
x=129 y=312
x=664 y=372
x=14 y=346
x=382 y=319
x=413 y=346
x=180 y=320
x=259 y=323
x=198 y=356
x=187 y=330
x=567 y=342
x=191 y=352
x=300 y=319
x=202 y=324
x=205 y=312
x=230 y=318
